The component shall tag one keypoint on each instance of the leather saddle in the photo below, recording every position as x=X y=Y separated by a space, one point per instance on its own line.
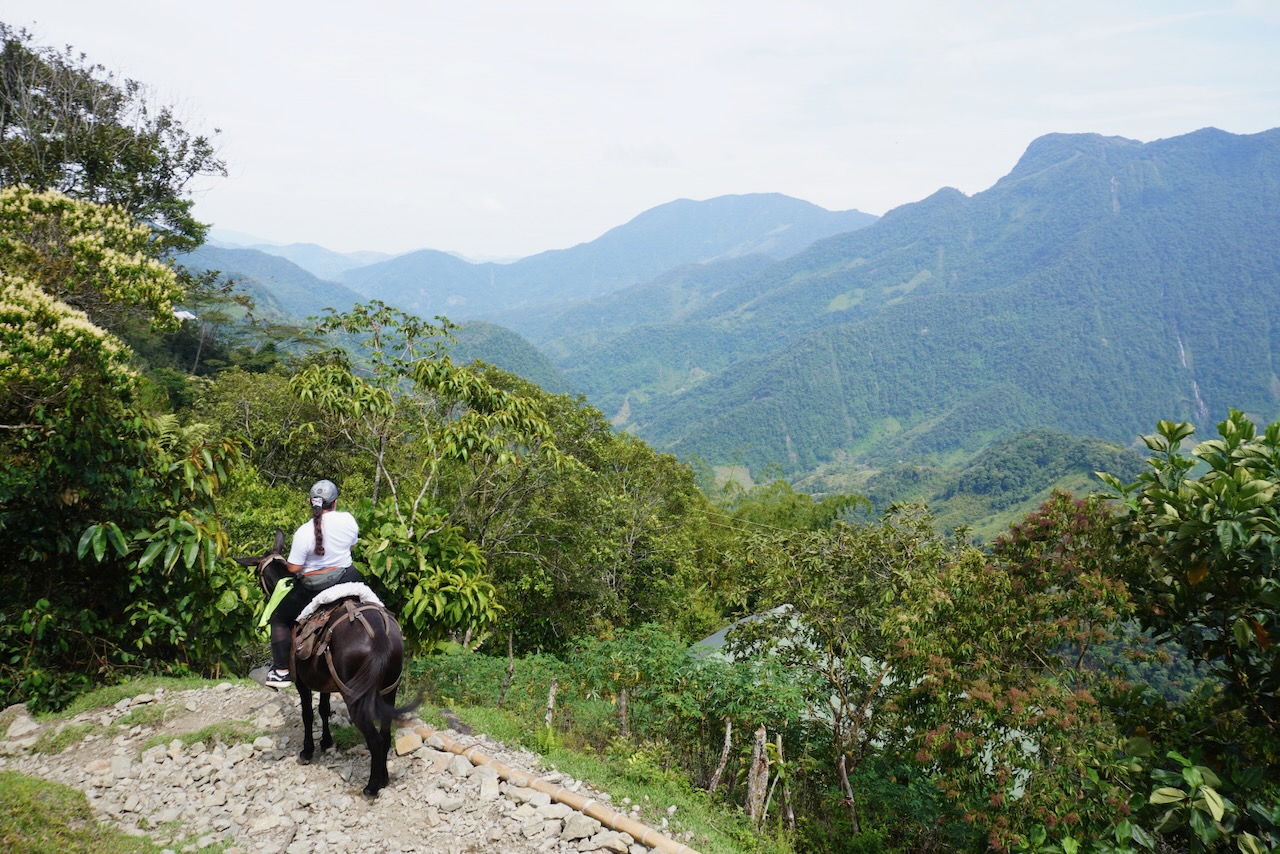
x=311 y=636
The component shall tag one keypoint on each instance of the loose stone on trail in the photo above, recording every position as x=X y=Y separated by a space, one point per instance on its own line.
x=252 y=796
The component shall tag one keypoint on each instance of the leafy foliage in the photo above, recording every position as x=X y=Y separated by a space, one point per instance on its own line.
x=70 y=126
x=611 y=538
x=431 y=575
x=1211 y=543
x=288 y=441
x=86 y=472
x=834 y=593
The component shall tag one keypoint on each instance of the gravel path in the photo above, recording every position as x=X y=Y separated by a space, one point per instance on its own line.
x=250 y=794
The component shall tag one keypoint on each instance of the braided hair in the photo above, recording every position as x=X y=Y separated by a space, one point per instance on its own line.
x=317 y=510
x=323 y=496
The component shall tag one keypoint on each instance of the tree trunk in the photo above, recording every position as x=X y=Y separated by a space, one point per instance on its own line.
x=848 y=795
x=724 y=755
x=199 y=348
x=786 y=790
x=551 y=703
x=757 y=779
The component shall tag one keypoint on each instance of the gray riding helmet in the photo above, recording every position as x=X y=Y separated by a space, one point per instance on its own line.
x=323 y=493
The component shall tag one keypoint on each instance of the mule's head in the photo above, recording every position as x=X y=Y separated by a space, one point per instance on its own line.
x=270 y=567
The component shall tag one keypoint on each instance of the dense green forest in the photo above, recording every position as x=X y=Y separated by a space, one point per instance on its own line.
x=528 y=294
x=1100 y=286
x=892 y=685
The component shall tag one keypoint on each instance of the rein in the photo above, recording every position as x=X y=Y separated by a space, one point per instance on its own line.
x=263 y=563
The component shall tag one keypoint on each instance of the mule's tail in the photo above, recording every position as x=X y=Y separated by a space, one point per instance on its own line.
x=378 y=678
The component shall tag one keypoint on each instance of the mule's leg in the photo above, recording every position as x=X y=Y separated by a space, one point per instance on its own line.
x=308 y=715
x=384 y=723
x=364 y=714
x=326 y=740
x=387 y=724
x=378 y=776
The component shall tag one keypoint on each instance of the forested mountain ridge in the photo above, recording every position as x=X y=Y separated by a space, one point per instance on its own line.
x=670 y=241
x=274 y=280
x=520 y=294
x=319 y=261
x=1100 y=286
x=502 y=348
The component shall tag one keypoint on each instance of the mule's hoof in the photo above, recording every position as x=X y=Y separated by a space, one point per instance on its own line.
x=304 y=758
x=370 y=793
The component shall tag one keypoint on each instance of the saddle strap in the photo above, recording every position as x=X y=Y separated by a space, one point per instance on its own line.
x=353 y=613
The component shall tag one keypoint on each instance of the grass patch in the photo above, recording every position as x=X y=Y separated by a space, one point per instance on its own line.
x=62 y=738
x=846 y=301
x=223 y=732
x=109 y=695
x=39 y=817
x=150 y=714
x=344 y=737
x=738 y=474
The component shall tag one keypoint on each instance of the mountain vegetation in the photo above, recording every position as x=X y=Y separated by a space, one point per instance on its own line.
x=318 y=261
x=498 y=346
x=987 y=492
x=1099 y=286
x=521 y=294
x=291 y=292
x=889 y=683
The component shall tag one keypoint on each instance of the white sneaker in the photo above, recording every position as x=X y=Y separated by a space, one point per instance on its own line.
x=278 y=679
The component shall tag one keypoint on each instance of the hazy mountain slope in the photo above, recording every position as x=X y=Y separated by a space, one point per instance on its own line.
x=670 y=235
x=526 y=293
x=1102 y=285
x=427 y=282
x=299 y=293
x=319 y=261
x=294 y=294
x=507 y=350
x=671 y=297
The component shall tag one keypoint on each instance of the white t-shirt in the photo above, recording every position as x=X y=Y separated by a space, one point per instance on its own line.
x=340 y=534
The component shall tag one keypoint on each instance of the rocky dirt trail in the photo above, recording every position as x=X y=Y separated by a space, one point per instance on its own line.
x=245 y=791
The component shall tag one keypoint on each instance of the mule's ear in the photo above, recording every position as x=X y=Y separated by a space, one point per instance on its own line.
x=246 y=561
x=279 y=541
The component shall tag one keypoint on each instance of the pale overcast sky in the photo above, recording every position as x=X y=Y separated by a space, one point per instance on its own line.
x=501 y=129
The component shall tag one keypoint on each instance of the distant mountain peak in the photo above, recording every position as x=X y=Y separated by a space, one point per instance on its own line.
x=1054 y=149
x=660 y=239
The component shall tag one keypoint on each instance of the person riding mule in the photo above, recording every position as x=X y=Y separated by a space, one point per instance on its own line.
x=319 y=557
x=353 y=647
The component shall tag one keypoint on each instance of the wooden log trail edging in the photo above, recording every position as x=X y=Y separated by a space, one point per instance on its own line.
x=607 y=816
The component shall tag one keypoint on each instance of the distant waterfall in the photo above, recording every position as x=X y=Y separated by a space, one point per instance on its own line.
x=1201 y=410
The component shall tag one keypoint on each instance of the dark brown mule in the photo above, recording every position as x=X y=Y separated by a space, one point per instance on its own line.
x=363 y=664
